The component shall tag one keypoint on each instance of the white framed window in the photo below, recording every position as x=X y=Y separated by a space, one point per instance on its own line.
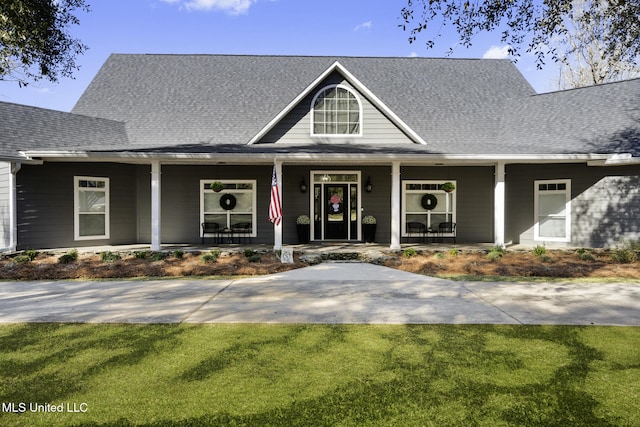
x=425 y=205
x=232 y=207
x=552 y=208
x=336 y=111
x=91 y=208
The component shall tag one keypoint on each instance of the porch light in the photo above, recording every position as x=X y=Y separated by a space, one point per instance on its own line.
x=303 y=186
x=368 y=185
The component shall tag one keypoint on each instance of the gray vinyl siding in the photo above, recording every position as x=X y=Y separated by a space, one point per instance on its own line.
x=605 y=203
x=376 y=203
x=45 y=204
x=474 y=198
x=5 y=205
x=180 y=198
x=296 y=126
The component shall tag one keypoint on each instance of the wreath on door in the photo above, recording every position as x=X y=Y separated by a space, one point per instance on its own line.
x=335 y=204
x=429 y=201
x=228 y=202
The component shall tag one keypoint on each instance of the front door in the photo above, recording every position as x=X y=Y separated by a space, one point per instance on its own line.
x=336 y=221
x=335 y=205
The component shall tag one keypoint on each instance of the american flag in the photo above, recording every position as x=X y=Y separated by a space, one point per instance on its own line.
x=275 y=209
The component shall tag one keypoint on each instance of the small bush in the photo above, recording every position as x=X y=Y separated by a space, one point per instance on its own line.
x=440 y=255
x=31 y=254
x=211 y=256
x=141 y=254
x=109 y=257
x=178 y=254
x=453 y=252
x=496 y=253
x=539 y=251
x=249 y=253
x=158 y=256
x=627 y=253
x=409 y=253
x=21 y=259
x=254 y=258
x=69 y=257
x=585 y=255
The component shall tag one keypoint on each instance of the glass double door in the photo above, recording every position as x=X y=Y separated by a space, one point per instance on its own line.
x=335 y=207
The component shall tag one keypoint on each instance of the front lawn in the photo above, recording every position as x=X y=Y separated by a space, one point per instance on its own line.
x=303 y=375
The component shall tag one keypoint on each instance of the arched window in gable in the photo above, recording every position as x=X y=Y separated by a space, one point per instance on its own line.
x=336 y=110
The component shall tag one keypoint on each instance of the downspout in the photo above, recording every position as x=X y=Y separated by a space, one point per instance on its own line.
x=13 y=206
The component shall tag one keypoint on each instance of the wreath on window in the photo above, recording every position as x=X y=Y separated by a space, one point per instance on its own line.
x=429 y=201
x=228 y=202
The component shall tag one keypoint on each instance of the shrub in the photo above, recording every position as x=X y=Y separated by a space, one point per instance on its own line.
x=21 y=259
x=254 y=258
x=539 y=251
x=585 y=255
x=408 y=253
x=141 y=254
x=211 y=256
x=249 y=253
x=178 y=254
x=627 y=252
x=159 y=256
x=440 y=255
x=496 y=253
x=369 y=219
x=453 y=252
x=69 y=257
x=109 y=257
x=31 y=254
x=303 y=220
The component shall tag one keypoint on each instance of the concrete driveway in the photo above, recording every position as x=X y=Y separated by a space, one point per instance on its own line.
x=325 y=293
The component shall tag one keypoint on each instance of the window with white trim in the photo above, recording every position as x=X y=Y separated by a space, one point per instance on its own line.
x=234 y=206
x=91 y=208
x=336 y=110
x=425 y=205
x=553 y=210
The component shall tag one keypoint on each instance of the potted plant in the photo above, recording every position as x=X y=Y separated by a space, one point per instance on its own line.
x=369 y=228
x=217 y=186
x=448 y=187
x=303 y=224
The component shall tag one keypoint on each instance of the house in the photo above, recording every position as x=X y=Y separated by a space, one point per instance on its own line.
x=348 y=136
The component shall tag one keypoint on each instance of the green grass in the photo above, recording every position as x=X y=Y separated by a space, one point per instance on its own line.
x=322 y=375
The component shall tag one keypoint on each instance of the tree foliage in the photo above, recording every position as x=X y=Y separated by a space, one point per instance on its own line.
x=584 y=58
x=35 y=42
x=530 y=24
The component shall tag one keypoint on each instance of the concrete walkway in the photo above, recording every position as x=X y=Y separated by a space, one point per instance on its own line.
x=325 y=293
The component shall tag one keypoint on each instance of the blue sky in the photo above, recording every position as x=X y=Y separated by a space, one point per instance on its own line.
x=274 y=27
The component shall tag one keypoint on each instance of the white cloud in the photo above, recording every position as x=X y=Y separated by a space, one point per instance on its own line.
x=235 y=7
x=364 y=26
x=413 y=55
x=497 y=52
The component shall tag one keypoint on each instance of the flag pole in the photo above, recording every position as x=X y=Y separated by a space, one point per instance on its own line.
x=275 y=205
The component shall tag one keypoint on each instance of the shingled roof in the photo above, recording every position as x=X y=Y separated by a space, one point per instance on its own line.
x=171 y=100
x=218 y=103
x=31 y=128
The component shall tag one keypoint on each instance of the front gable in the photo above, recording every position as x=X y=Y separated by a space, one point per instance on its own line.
x=376 y=122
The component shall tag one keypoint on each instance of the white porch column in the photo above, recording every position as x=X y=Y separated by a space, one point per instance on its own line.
x=155 y=206
x=13 y=207
x=395 y=205
x=499 y=204
x=277 y=228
